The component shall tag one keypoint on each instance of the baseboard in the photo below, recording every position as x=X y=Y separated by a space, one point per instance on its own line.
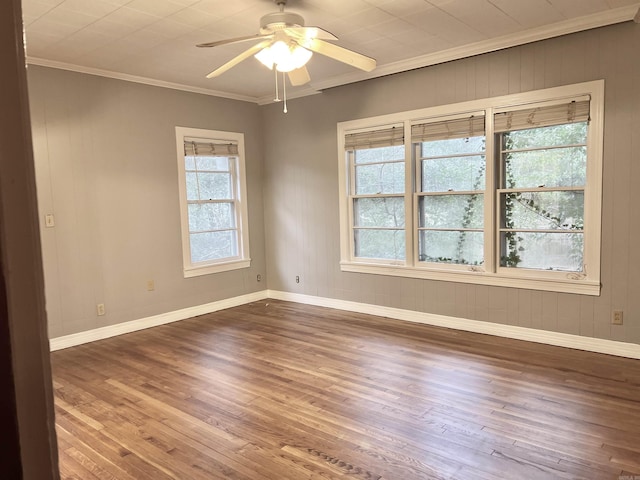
x=134 y=325
x=598 y=345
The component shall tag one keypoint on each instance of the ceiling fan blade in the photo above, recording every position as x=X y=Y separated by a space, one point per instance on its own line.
x=299 y=76
x=243 y=56
x=233 y=40
x=341 y=54
x=311 y=32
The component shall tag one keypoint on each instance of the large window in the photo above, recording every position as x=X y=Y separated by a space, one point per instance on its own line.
x=212 y=201
x=502 y=191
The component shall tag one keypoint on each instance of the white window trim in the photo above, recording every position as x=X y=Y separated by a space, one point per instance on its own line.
x=243 y=259
x=587 y=283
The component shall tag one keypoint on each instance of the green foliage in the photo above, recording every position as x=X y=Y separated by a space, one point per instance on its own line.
x=541 y=167
x=546 y=168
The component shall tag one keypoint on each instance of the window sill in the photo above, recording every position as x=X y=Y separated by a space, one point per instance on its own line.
x=560 y=285
x=216 y=268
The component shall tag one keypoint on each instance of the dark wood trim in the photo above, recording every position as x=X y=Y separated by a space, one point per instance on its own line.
x=23 y=318
x=10 y=456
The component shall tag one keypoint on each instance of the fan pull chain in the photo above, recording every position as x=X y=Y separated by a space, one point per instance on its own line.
x=284 y=88
x=277 y=99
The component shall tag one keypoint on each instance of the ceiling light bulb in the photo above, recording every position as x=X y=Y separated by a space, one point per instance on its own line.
x=265 y=56
x=301 y=56
x=295 y=58
x=284 y=57
x=280 y=52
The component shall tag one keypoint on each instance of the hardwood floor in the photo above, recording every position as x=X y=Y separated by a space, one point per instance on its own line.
x=275 y=390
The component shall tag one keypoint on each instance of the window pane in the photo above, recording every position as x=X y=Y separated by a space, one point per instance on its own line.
x=192 y=185
x=189 y=163
x=543 y=210
x=559 y=167
x=453 y=147
x=211 y=216
x=378 y=212
x=451 y=247
x=453 y=174
x=384 y=244
x=451 y=211
x=542 y=251
x=568 y=134
x=380 y=178
x=214 y=186
x=213 y=245
x=381 y=154
x=213 y=163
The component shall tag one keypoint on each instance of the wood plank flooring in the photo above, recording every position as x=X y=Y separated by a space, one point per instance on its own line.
x=275 y=391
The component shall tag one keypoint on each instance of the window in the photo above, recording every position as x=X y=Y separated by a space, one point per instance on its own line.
x=377 y=202
x=503 y=191
x=212 y=201
x=450 y=183
x=543 y=175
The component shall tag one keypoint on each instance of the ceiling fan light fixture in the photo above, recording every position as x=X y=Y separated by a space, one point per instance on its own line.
x=284 y=57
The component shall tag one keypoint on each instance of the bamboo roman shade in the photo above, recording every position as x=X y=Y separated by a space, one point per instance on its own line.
x=201 y=148
x=387 y=137
x=472 y=126
x=542 y=116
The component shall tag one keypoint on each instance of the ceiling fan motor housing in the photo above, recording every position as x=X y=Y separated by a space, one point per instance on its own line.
x=272 y=22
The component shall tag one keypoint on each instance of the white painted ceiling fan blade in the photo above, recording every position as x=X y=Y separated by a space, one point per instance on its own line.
x=299 y=76
x=243 y=56
x=310 y=32
x=230 y=41
x=339 y=53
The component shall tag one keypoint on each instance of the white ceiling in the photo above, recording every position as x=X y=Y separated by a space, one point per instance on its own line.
x=153 y=41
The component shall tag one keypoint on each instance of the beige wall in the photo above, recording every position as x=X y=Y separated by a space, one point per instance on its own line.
x=106 y=168
x=301 y=184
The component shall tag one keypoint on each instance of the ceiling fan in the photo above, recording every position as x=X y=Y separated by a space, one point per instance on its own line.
x=287 y=45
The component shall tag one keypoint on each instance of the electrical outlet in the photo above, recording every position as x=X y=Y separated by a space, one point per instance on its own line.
x=617 y=317
x=297 y=279
x=100 y=308
x=259 y=277
x=151 y=285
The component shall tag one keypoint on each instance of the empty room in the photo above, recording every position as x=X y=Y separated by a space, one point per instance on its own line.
x=316 y=239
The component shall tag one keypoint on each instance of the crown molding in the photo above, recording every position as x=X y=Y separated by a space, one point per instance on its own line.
x=304 y=91
x=588 y=22
x=42 y=62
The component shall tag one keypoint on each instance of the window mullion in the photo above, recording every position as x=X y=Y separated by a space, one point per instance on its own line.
x=409 y=182
x=351 y=160
x=417 y=185
x=491 y=211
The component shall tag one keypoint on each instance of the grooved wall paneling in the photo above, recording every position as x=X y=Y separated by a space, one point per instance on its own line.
x=304 y=140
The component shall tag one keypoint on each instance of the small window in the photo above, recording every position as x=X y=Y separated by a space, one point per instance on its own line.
x=212 y=201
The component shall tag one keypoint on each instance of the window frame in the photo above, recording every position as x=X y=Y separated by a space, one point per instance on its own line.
x=418 y=192
x=586 y=282
x=239 y=194
x=353 y=196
